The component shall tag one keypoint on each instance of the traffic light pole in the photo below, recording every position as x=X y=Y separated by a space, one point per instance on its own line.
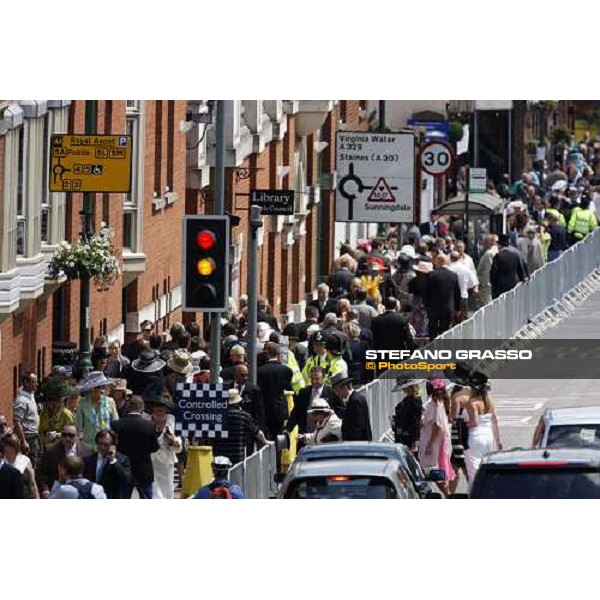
x=255 y=223
x=89 y=199
x=215 y=318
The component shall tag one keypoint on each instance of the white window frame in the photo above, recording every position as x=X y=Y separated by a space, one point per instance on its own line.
x=21 y=181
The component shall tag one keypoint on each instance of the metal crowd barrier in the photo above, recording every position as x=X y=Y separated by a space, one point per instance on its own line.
x=255 y=475
x=500 y=319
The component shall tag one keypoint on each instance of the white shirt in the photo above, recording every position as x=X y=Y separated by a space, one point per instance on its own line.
x=466 y=279
x=72 y=451
x=468 y=262
x=316 y=392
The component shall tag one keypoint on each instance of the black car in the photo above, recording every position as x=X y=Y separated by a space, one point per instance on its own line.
x=566 y=473
x=376 y=451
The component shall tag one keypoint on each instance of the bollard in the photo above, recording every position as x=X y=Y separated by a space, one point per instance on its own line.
x=198 y=470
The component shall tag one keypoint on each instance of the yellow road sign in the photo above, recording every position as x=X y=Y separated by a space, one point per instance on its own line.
x=90 y=163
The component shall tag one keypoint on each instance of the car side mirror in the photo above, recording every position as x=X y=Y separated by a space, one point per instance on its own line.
x=433 y=496
x=459 y=496
x=436 y=475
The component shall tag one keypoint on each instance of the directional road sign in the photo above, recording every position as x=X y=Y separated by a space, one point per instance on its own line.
x=436 y=158
x=90 y=163
x=375 y=173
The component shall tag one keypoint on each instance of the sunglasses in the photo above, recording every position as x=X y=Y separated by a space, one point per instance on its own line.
x=68 y=435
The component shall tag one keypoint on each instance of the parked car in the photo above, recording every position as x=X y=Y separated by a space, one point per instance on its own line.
x=358 y=470
x=568 y=473
x=577 y=427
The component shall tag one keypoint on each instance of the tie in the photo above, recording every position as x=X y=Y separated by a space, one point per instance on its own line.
x=315 y=393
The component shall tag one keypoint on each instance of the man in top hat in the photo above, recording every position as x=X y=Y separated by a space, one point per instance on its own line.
x=55 y=415
x=137 y=439
x=181 y=367
x=328 y=426
x=242 y=432
x=356 y=422
x=149 y=366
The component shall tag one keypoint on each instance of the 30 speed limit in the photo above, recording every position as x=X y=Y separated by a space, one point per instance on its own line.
x=436 y=158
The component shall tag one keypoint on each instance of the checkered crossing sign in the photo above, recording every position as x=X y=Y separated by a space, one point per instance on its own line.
x=202 y=409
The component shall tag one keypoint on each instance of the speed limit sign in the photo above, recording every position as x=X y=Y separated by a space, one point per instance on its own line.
x=436 y=158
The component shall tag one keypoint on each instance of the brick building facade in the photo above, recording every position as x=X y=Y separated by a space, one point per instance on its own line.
x=35 y=312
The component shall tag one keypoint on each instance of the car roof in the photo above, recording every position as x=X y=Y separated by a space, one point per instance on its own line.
x=586 y=455
x=573 y=415
x=329 y=468
x=351 y=450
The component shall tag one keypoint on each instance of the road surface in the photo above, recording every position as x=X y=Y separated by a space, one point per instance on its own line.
x=519 y=403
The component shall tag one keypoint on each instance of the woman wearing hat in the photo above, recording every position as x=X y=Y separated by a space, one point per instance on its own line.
x=120 y=394
x=181 y=367
x=96 y=410
x=164 y=459
x=435 y=446
x=416 y=287
x=55 y=415
x=328 y=424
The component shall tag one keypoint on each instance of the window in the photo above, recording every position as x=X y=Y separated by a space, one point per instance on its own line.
x=21 y=219
x=170 y=144
x=45 y=200
x=132 y=205
x=342 y=487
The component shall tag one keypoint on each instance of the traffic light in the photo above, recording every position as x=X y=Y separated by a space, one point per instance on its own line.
x=206 y=263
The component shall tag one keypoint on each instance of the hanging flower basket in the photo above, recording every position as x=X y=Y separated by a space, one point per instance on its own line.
x=95 y=258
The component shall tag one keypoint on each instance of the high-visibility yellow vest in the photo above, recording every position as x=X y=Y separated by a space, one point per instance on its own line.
x=336 y=365
x=558 y=215
x=297 y=379
x=583 y=221
x=312 y=362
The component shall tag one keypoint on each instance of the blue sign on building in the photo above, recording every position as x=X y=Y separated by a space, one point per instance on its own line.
x=434 y=130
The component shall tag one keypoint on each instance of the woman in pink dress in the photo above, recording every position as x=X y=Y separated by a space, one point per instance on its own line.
x=435 y=446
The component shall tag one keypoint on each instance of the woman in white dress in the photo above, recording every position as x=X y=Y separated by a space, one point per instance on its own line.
x=483 y=429
x=164 y=459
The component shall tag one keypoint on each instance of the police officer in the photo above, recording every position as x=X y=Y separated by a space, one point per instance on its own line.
x=583 y=220
x=318 y=359
x=334 y=346
x=553 y=210
x=220 y=488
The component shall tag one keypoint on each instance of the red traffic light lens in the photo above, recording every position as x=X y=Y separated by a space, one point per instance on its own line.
x=206 y=240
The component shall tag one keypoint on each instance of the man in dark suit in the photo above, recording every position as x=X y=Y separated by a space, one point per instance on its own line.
x=137 y=439
x=391 y=330
x=441 y=296
x=324 y=304
x=252 y=400
x=109 y=468
x=11 y=480
x=67 y=445
x=431 y=227
x=339 y=281
x=356 y=422
x=311 y=317
x=302 y=402
x=274 y=379
x=508 y=268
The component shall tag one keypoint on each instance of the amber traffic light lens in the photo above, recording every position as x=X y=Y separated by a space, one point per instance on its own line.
x=205 y=267
x=206 y=240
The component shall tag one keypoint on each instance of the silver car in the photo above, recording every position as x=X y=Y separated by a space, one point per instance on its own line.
x=576 y=427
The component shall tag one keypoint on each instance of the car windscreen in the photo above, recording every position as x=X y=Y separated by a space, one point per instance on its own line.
x=574 y=436
x=521 y=483
x=342 y=487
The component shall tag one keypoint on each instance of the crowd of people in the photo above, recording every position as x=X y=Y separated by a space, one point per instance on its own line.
x=115 y=427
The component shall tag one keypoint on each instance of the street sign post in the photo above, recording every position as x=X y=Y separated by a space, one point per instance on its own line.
x=436 y=158
x=90 y=163
x=477 y=180
x=274 y=202
x=376 y=177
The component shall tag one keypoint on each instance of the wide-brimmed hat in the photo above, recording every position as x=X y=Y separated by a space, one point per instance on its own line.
x=234 y=397
x=319 y=405
x=408 y=250
x=339 y=379
x=57 y=388
x=423 y=267
x=148 y=362
x=402 y=384
x=181 y=362
x=121 y=385
x=95 y=379
x=155 y=394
